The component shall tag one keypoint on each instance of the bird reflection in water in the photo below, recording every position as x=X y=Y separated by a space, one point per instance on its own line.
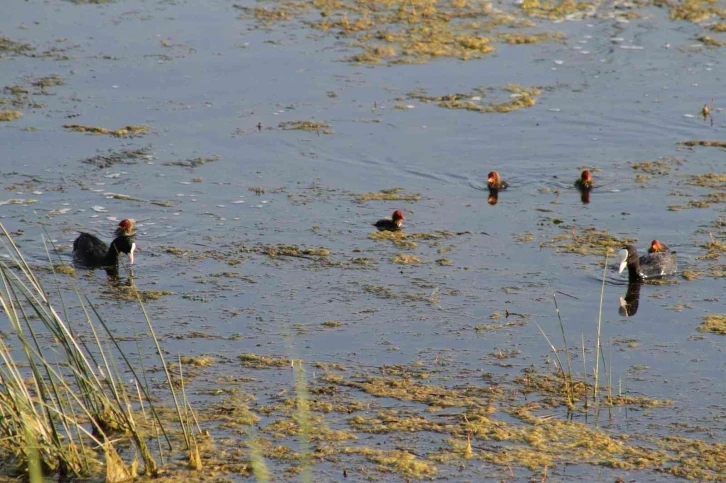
x=585 y=196
x=493 y=197
x=629 y=304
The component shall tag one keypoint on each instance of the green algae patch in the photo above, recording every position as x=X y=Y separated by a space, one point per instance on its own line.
x=399 y=462
x=255 y=361
x=392 y=194
x=126 y=131
x=715 y=324
x=587 y=241
x=520 y=98
x=9 y=115
x=315 y=126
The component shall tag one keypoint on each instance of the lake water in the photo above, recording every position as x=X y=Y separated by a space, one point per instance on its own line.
x=219 y=185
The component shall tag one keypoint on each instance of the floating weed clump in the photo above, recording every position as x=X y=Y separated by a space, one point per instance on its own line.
x=659 y=167
x=521 y=97
x=315 y=126
x=126 y=131
x=122 y=156
x=403 y=259
x=9 y=46
x=414 y=32
x=255 y=361
x=9 y=115
x=708 y=180
x=557 y=10
x=706 y=143
x=274 y=251
x=710 y=41
x=716 y=324
x=392 y=194
x=400 y=462
x=586 y=241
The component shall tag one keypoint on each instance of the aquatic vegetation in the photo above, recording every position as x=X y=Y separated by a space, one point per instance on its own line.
x=315 y=126
x=255 y=361
x=403 y=259
x=392 y=194
x=121 y=156
x=521 y=97
x=714 y=323
x=194 y=162
x=588 y=240
x=126 y=131
x=396 y=461
x=9 y=115
x=415 y=32
x=711 y=42
x=659 y=167
x=706 y=143
x=708 y=180
x=12 y=47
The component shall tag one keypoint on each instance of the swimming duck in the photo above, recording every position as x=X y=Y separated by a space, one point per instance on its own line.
x=390 y=224
x=495 y=182
x=89 y=251
x=584 y=182
x=653 y=265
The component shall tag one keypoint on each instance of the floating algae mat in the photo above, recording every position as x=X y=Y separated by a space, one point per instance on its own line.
x=521 y=97
x=125 y=131
x=440 y=428
x=417 y=31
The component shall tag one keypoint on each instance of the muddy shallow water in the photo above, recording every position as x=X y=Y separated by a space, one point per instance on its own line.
x=217 y=185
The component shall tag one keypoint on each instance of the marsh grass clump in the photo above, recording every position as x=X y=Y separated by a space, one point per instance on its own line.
x=392 y=194
x=315 y=126
x=399 y=462
x=715 y=324
x=126 y=131
x=71 y=404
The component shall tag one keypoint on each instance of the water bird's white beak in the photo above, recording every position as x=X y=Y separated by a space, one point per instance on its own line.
x=623 y=259
x=131 y=253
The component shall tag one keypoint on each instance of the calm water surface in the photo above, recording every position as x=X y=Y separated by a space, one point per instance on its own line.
x=203 y=92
